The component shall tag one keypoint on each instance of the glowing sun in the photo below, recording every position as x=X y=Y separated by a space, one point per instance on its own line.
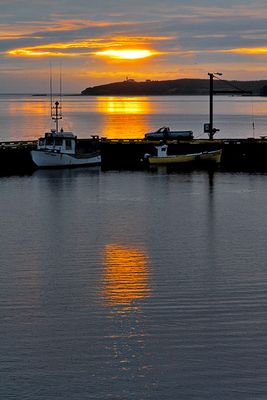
x=126 y=54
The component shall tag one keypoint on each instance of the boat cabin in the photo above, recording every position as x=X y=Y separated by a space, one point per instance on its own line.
x=58 y=142
x=161 y=150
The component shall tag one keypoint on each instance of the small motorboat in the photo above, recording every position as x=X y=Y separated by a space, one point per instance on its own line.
x=59 y=149
x=161 y=157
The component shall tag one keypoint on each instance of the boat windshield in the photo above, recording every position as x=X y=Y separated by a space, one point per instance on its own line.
x=68 y=144
x=49 y=140
x=58 y=141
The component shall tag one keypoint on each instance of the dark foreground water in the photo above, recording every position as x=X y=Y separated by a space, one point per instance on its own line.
x=133 y=285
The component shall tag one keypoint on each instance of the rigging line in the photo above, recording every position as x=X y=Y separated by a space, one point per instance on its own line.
x=201 y=134
x=231 y=84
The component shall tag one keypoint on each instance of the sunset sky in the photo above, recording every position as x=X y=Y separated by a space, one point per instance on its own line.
x=104 y=41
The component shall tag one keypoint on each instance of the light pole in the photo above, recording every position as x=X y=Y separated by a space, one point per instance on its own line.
x=210 y=129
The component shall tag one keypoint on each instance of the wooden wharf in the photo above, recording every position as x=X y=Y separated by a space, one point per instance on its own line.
x=237 y=154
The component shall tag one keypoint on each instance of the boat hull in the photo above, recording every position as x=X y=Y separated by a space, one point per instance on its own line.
x=179 y=159
x=204 y=157
x=211 y=156
x=45 y=159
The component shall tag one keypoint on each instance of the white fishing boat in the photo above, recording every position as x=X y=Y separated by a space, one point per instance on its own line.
x=161 y=157
x=59 y=149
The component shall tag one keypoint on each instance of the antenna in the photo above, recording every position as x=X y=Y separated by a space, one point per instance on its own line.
x=56 y=114
x=60 y=83
x=51 y=91
x=60 y=88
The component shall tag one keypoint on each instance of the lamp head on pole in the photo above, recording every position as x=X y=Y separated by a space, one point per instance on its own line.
x=215 y=73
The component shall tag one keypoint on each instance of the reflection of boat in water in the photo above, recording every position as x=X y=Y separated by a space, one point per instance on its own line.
x=166 y=133
x=58 y=149
x=161 y=157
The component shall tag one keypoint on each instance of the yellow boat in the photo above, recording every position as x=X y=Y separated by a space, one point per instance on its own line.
x=162 y=157
x=211 y=156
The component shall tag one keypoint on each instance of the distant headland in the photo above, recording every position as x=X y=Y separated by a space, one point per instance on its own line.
x=130 y=87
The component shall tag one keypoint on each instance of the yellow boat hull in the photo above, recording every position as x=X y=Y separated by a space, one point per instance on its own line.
x=179 y=159
x=212 y=156
x=209 y=156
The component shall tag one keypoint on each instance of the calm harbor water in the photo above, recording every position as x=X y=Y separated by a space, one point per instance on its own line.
x=27 y=117
x=131 y=285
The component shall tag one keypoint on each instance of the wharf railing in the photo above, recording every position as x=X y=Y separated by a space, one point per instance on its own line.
x=17 y=144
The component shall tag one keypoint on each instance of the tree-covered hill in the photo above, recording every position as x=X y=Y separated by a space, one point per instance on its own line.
x=173 y=87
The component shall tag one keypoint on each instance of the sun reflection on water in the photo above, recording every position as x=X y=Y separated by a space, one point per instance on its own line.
x=39 y=108
x=126 y=276
x=124 y=117
x=124 y=105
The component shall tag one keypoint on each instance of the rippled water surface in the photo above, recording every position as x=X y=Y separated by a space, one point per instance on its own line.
x=133 y=285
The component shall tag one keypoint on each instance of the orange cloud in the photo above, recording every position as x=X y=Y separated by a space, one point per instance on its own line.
x=52 y=49
x=141 y=39
x=137 y=74
x=34 y=53
x=59 y=25
x=247 y=50
x=115 y=49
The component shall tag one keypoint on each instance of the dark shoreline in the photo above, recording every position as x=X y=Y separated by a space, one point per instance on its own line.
x=179 y=87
